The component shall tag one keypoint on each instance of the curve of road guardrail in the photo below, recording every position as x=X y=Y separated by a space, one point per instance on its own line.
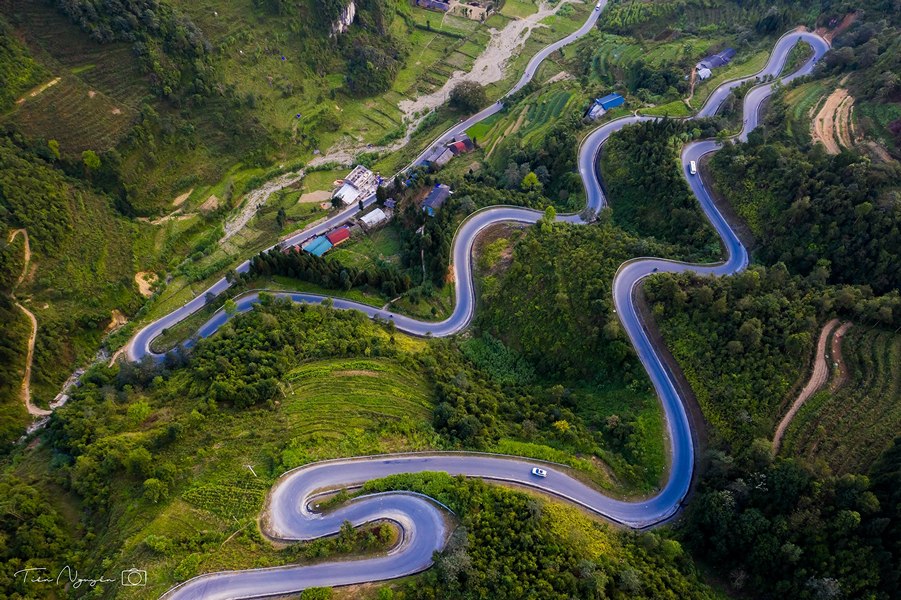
x=288 y=515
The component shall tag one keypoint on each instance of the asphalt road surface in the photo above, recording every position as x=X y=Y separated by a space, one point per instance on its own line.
x=424 y=531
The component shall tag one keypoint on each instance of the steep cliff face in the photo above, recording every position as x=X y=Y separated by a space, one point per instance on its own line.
x=345 y=19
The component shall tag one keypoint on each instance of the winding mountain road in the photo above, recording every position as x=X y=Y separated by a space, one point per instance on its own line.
x=288 y=515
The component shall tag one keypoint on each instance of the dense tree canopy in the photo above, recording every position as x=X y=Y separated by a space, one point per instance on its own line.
x=814 y=211
x=647 y=192
x=468 y=97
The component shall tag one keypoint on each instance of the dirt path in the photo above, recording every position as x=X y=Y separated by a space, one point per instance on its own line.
x=26 y=379
x=489 y=67
x=257 y=198
x=38 y=90
x=29 y=357
x=818 y=377
x=837 y=359
x=830 y=35
x=832 y=125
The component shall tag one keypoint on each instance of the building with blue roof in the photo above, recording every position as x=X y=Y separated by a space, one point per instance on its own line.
x=610 y=101
x=602 y=105
x=318 y=246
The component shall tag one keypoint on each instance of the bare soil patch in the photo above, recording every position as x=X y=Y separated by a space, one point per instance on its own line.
x=318 y=196
x=354 y=373
x=830 y=34
x=144 y=280
x=117 y=319
x=211 y=204
x=181 y=199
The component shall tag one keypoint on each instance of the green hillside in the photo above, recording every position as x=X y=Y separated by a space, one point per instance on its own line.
x=849 y=427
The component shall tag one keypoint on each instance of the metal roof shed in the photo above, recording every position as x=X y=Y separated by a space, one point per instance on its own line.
x=611 y=101
x=318 y=246
x=342 y=234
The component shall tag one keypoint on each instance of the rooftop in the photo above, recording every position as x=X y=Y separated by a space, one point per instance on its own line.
x=437 y=197
x=373 y=218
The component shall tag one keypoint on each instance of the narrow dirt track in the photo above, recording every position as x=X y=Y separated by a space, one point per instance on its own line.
x=842 y=375
x=818 y=378
x=26 y=378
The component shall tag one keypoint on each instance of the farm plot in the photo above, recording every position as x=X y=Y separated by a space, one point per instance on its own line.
x=331 y=402
x=526 y=125
x=75 y=115
x=848 y=427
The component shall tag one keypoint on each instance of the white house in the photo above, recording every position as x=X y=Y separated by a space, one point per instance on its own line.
x=359 y=184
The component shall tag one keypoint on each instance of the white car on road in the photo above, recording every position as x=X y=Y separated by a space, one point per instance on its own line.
x=539 y=472
x=693 y=168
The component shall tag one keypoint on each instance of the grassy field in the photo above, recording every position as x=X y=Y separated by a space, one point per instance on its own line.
x=380 y=245
x=331 y=404
x=518 y=8
x=849 y=427
x=803 y=101
x=744 y=65
x=676 y=108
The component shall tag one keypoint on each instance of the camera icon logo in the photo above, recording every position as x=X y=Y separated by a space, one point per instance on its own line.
x=134 y=577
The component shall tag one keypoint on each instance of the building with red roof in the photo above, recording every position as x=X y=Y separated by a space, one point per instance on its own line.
x=342 y=234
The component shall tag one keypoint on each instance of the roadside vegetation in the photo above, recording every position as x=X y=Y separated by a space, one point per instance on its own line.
x=648 y=193
x=169 y=464
x=514 y=545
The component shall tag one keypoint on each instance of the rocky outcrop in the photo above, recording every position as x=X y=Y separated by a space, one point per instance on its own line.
x=345 y=19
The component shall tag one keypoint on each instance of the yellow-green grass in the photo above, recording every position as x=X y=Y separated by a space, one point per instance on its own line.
x=315 y=181
x=329 y=404
x=803 y=101
x=365 y=251
x=676 y=108
x=518 y=8
x=849 y=428
x=743 y=66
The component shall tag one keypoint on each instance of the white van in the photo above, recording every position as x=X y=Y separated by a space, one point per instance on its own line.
x=597 y=6
x=693 y=168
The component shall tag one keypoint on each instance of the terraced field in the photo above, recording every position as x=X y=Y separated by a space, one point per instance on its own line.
x=100 y=87
x=59 y=113
x=847 y=428
x=525 y=125
x=803 y=102
x=331 y=403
